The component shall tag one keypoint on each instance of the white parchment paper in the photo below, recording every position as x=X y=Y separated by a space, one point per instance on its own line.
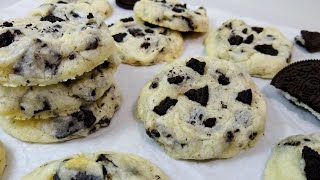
x=127 y=134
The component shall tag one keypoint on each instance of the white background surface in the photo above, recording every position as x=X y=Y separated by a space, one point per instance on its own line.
x=126 y=134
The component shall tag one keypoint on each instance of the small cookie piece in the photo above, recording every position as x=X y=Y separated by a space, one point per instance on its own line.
x=202 y=108
x=88 y=120
x=3 y=159
x=140 y=43
x=126 y=4
x=262 y=51
x=172 y=14
x=309 y=40
x=73 y=10
x=23 y=103
x=99 y=166
x=300 y=83
x=48 y=51
x=295 y=158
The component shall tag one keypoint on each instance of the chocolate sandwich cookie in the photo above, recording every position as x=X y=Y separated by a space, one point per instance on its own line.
x=309 y=40
x=300 y=83
x=126 y=4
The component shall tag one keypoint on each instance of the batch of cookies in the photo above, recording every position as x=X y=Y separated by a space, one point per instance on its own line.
x=57 y=67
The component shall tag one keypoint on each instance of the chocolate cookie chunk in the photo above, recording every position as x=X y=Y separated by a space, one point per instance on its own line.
x=309 y=40
x=126 y=4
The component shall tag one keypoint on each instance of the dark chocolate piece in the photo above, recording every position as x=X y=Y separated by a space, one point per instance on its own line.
x=257 y=29
x=196 y=65
x=136 y=32
x=249 y=39
x=311 y=41
x=164 y=106
x=153 y=133
x=126 y=4
x=200 y=96
x=210 y=122
x=223 y=80
x=245 y=96
x=175 y=80
x=6 y=39
x=266 y=49
x=292 y=143
x=119 y=37
x=312 y=161
x=51 y=18
x=235 y=40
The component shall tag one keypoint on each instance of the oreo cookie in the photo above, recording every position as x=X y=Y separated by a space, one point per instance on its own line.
x=309 y=40
x=126 y=4
x=300 y=82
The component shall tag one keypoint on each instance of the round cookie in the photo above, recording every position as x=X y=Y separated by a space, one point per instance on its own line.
x=295 y=158
x=59 y=99
x=99 y=166
x=172 y=14
x=3 y=161
x=89 y=119
x=48 y=51
x=202 y=108
x=262 y=51
x=74 y=10
x=141 y=43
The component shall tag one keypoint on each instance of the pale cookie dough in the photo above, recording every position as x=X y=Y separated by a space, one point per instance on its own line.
x=295 y=158
x=99 y=166
x=89 y=119
x=50 y=50
x=172 y=14
x=59 y=99
x=74 y=10
x=141 y=43
x=3 y=159
x=262 y=51
x=202 y=108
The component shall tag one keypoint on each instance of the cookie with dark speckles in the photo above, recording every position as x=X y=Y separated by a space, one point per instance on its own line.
x=309 y=40
x=295 y=158
x=99 y=166
x=88 y=120
x=300 y=83
x=202 y=108
x=172 y=14
x=23 y=103
x=49 y=50
x=73 y=10
x=142 y=44
x=262 y=51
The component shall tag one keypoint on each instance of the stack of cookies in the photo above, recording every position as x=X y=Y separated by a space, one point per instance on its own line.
x=56 y=72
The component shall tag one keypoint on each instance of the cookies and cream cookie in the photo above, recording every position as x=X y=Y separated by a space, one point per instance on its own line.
x=262 y=51
x=99 y=166
x=202 y=108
